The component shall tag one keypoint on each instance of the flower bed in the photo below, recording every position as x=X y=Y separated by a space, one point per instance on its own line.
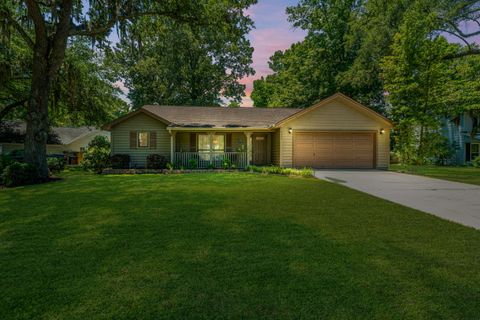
x=164 y=171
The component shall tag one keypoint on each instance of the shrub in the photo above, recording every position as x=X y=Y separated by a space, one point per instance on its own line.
x=192 y=164
x=56 y=164
x=4 y=162
x=120 y=161
x=156 y=161
x=226 y=163
x=19 y=174
x=476 y=162
x=170 y=166
x=100 y=142
x=305 y=172
x=97 y=155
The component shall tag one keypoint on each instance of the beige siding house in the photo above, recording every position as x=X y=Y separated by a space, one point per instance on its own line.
x=337 y=132
x=72 y=141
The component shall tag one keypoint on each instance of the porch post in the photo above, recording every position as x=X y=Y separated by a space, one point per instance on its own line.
x=211 y=157
x=172 y=146
x=249 y=147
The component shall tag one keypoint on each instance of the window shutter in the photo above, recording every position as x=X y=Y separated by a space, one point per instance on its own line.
x=229 y=142
x=133 y=140
x=193 y=142
x=467 y=152
x=153 y=140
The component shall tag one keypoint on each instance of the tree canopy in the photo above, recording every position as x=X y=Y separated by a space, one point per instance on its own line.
x=166 y=62
x=47 y=28
x=345 y=45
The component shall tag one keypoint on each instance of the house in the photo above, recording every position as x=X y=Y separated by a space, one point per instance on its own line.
x=463 y=133
x=68 y=141
x=337 y=132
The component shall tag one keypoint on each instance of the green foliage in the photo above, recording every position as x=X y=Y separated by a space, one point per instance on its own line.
x=167 y=62
x=476 y=162
x=5 y=160
x=97 y=155
x=170 y=166
x=120 y=161
x=346 y=44
x=192 y=164
x=56 y=165
x=83 y=94
x=19 y=174
x=423 y=86
x=99 y=142
x=305 y=172
x=226 y=163
x=156 y=161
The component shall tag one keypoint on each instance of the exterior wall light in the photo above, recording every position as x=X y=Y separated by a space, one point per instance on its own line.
x=382 y=131
x=290 y=130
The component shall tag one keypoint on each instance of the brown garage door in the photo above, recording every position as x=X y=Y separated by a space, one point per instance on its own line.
x=333 y=150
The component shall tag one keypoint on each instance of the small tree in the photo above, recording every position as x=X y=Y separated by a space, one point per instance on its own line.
x=97 y=156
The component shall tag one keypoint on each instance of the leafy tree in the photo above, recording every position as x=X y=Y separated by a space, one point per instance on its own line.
x=345 y=45
x=424 y=84
x=47 y=26
x=166 y=62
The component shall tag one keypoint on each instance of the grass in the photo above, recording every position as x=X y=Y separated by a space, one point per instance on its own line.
x=227 y=246
x=460 y=174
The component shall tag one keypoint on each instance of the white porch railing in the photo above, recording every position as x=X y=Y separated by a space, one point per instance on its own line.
x=206 y=159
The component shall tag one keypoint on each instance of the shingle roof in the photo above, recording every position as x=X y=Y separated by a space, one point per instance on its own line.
x=65 y=134
x=220 y=117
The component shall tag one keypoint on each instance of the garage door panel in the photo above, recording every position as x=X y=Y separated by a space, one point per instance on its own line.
x=334 y=150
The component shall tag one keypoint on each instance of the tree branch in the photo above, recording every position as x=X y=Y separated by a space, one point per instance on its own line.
x=37 y=18
x=10 y=107
x=17 y=27
x=60 y=38
x=469 y=52
x=86 y=30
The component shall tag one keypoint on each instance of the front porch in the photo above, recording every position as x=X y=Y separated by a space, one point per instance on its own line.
x=217 y=149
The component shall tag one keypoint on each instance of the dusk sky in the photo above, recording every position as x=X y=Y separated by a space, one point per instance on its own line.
x=272 y=32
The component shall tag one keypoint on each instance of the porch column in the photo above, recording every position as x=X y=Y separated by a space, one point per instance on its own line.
x=249 y=147
x=172 y=146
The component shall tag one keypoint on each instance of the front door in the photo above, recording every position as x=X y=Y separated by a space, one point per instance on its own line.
x=259 y=150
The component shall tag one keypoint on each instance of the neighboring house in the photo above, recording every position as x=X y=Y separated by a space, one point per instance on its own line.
x=73 y=141
x=462 y=134
x=337 y=132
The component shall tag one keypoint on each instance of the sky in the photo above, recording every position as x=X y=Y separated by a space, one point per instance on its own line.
x=272 y=32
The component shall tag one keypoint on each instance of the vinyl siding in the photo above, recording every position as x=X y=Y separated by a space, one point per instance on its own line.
x=120 y=135
x=335 y=116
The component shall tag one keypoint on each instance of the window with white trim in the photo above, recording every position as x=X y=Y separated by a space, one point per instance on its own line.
x=143 y=139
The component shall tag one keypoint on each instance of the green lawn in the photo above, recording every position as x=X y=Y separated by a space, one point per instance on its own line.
x=227 y=246
x=461 y=174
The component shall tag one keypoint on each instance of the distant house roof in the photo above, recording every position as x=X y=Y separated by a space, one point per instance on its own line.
x=65 y=134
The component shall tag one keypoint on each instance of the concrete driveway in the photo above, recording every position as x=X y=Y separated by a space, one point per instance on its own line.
x=458 y=202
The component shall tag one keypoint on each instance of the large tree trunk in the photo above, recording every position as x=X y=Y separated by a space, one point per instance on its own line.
x=37 y=117
x=48 y=54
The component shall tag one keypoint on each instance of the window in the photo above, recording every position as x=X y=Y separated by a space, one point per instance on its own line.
x=474 y=150
x=217 y=143
x=203 y=142
x=143 y=139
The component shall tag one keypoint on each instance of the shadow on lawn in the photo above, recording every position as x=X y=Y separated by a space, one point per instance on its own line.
x=145 y=247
